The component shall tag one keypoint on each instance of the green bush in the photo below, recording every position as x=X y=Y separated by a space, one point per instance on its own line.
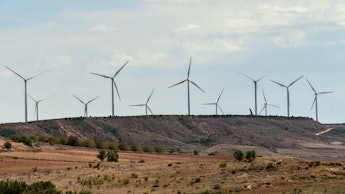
x=158 y=149
x=101 y=155
x=250 y=155
x=147 y=149
x=238 y=154
x=73 y=141
x=42 y=187
x=88 y=143
x=8 y=145
x=135 y=148
x=123 y=146
x=100 y=144
x=112 y=156
x=63 y=140
x=113 y=146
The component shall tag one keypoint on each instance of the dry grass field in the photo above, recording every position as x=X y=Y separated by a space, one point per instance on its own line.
x=78 y=169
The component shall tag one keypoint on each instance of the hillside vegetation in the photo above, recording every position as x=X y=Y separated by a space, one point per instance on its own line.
x=186 y=133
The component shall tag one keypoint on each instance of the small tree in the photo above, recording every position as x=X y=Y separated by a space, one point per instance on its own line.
x=112 y=156
x=250 y=155
x=101 y=155
x=135 y=148
x=238 y=154
x=123 y=146
x=147 y=149
x=8 y=145
x=73 y=141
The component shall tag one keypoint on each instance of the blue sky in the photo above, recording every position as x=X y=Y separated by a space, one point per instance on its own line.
x=71 y=39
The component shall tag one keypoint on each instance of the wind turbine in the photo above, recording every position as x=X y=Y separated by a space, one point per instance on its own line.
x=255 y=89
x=146 y=106
x=266 y=104
x=188 y=83
x=25 y=89
x=36 y=105
x=113 y=84
x=287 y=92
x=216 y=103
x=315 y=99
x=85 y=104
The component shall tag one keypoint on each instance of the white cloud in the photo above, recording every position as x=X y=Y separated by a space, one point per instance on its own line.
x=291 y=39
x=102 y=28
x=188 y=27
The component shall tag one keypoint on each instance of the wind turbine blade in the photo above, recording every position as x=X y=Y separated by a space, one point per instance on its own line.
x=295 y=81
x=196 y=86
x=149 y=109
x=190 y=62
x=209 y=104
x=278 y=83
x=220 y=109
x=37 y=75
x=78 y=99
x=263 y=77
x=101 y=75
x=311 y=86
x=92 y=100
x=220 y=95
x=263 y=108
x=313 y=103
x=273 y=105
x=246 y=76
x=31 y=97
x=264 y=95
x=118 y=71
x=138 y=105
x=14 y=72
x=149 y=97
x=178 y=83
x=325 y=92
x=117 y=91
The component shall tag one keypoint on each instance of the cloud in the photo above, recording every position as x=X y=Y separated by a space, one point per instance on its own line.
x=102 y=28
x=188 y=27
x=292 y=39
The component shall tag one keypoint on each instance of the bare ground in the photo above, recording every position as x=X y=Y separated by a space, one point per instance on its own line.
x=78 y=169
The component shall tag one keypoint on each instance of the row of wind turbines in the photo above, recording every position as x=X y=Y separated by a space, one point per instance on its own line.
x=187 y=80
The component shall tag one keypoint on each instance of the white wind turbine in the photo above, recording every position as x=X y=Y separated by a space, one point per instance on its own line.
x=315 y=100
x=255 y=89
x=266 y=104
x=85 y=104
x=287 y=92
x=113 y=84
x=188 y=83
x=25 y=89
x=216 y=104
x=36 y=105
x=146 y=104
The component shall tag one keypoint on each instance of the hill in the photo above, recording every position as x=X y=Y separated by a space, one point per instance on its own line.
x=296 y=136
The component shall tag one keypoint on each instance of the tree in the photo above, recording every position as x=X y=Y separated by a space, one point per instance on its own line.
x=112 y=156
x=8 y=145
x=250 y=155
x=101 y=155
x=238 y=154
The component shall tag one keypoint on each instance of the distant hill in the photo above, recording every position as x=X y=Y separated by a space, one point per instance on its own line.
x=186 y=133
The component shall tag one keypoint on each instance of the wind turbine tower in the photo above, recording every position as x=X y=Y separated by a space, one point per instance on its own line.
x=287 y=92
x=146 y=104
x=85 y=104
x=188 y=83
x=255 y=89
x=36 y=106
x=315 y=100
x=216 y=104
x=25 y=89
x=113 y=84
x=266 y=104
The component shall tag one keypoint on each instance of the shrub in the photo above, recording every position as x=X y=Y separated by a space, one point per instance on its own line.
x=123 y=146
x=101 y=155
x=112 y=156
x=113 y=146
x=53 y=140
x=88 y=143
x=196 y=152
x=41 y=187
x=238 y=154
x=16 y=137
x=250 y=155
x=147 y=149
x=64 y=140
x=158 y=149
x=100 y=144
x=135 y=148
x=73 y=141
x=8 y=145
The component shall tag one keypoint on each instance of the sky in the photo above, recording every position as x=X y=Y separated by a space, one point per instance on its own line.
x=70 y=39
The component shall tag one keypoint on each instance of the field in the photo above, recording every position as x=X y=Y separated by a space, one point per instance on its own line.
x=78 y=169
